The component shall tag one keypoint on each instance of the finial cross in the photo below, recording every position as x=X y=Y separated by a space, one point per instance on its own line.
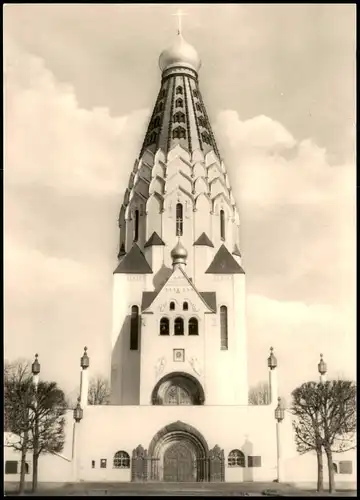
x=179 y=15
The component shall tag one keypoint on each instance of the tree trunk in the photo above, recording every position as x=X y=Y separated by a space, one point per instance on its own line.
x=330 y=470
x=35 y=472
x=35 y=455
x=23 y=465
x=320 y=475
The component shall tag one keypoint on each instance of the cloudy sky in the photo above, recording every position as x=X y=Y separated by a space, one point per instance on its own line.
x=279 y=85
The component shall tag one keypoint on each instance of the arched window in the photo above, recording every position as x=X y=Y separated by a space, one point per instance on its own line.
x=196 y=93
x=134 y=328
x=185 y=306
x=222 y=224
x=160 y=107
x=236 y=458
x=179 y=90
x=202 y=121
x=179 y=326
x=157 y=121
x=162 y=93
x=121 y=460
x=193 y=326
x=152 y=138
x=206 y=137
x=198 y=107
x=179 y=133
x=136 y=225
x=179 y=103
x=179 y=117
x=172 y=306
x=223 y=328
x=164 y=326
x=179 y=219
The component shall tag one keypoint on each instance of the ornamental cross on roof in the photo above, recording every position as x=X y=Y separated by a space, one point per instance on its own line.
x=179 y=15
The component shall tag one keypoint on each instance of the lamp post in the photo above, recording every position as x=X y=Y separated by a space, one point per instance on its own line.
x=272 y=364
x=322 y=368
x=35 y=369
x=279 y=417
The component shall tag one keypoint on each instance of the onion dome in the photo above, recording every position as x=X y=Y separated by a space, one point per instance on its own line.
x=272 y=361
x=180 y=53
x=322 y=366
x=179 y=253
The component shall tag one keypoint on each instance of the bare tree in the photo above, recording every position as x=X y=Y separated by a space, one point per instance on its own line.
x=35 y=417
x=260 y=394
x=99 y=391
x=307 y=427
x=17 y=395
x=47 y=434
x=326 y=420
x=338 y=420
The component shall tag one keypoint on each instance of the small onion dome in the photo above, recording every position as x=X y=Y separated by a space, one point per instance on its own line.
x=84 y=360
x=179 y=253
x=78 y=412
x=279 y=411
x=322 y=366
x=35 y=367
x=180 y=53
x=272 y=361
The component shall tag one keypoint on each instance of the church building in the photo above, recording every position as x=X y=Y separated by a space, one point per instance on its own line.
x=179 y=377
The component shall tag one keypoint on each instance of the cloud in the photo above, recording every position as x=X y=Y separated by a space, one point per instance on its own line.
x=270 y=167
x=51 y=141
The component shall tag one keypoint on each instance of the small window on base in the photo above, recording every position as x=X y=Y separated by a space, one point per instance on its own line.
x=103 y=462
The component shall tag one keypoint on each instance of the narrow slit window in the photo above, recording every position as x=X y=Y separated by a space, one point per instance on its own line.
x=223 y=328
x=172 y=306
x=193 y=326
x=179 y=219
x=179 y=326
x=134 y=329
x=222 y=224
x=136 y=225
x=185 y=306
x=164 y=326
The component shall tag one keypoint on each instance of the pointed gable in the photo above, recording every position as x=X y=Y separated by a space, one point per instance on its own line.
x=178 y=280
x=224 y=263
x=134 y=263
x=154 y=240
x=204 y=240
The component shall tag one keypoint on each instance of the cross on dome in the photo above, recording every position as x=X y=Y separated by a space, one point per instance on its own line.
x=179 y=15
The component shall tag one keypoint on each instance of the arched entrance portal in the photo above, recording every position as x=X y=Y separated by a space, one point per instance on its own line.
x=178 y=453
x=178 y=388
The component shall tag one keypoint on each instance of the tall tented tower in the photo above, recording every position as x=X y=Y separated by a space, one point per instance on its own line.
x=179 y=333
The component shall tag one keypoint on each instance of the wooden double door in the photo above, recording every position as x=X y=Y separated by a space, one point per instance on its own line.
x=180 y=463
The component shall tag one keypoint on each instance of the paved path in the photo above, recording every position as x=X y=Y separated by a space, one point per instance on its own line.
x=175 y=489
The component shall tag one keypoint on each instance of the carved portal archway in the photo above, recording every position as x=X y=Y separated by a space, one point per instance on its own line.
x=178 y=388
x=178 y=453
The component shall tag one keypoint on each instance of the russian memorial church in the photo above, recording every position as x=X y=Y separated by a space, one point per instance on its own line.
x=179 y=390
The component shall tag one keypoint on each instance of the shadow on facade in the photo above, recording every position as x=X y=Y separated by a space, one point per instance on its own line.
x=247 y=449
x=161 y=276
x=125 y=369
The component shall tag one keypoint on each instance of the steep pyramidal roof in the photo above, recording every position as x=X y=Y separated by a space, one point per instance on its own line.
x=224 y=263
x=134 y=263
x=204 y=240
x=154 y=240
x=179 y=115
